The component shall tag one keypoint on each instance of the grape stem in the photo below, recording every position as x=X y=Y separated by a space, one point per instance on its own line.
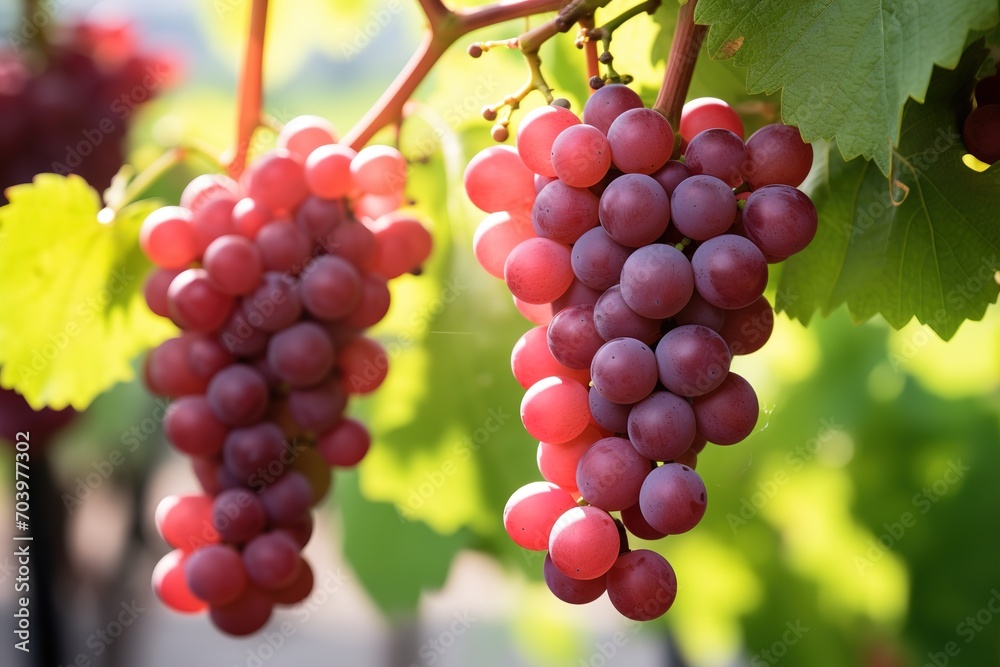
x=681 y=61
x=445 y=26
x=251 y=88
x=590 y=48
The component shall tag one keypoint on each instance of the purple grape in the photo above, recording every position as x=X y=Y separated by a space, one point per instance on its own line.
x=657 y=281
x=661 y=426
x=238 y=515
x=641 y=141
x=728 y=414
x=608 y=415
x=670 y=175
x=730 y=272
x=614 y=319
x=568 y=589
x=610 y=474
x=673 y=498
x=331 y=288
x=607 y=103
x=692 y=360
x=275 y=305
x=699 y=311
x=564 y=213
x=717 y=152
x=703 y=207
x=238 y=395
x=573 y=340
x=250 y=451
x=597 y=259
x=624 y=370
x=288 y=498
x=272 y=560
x=777 y=155
x=301 y=355
x=636 y=524
x=634 y=210
x=641 y=585
x=780 y=220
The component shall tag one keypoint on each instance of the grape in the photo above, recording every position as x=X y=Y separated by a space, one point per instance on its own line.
x=538 y=270
x=624 y=370
x=614 y=319
x=612 y=175
x=352 y=241
x=705 y=113
x=634 y=210
x=728 y=414
x=328 y=171
x=317 y=408
x=703 y=207
x=155 y=290
x=497 y=180
x=729 y=271
x=538 y=132
x=692 y=360
x=610 y=474
x=661 y=426
x=362 y=365
x=670 y=175
x=184 y=521
x=636 y=524
x=300 y=530
x=573 y=340
x=577 y=294
x=699 y=311
x=981 y=133
x=747 y=329
x=205 y=355
x=249 y=216
x=607 y=103
x=275 y=305
x=536 y=313
x=581 y=156
x=597 y=259
x=213 y=220
x=245 y=615
x=780 y=220
x=283 y=247
x=495 y=237
x=657 y=281
x=555 y=409
x=168 y=373
x=776 y=154
x=317 y=218
x=988 y=91
x=568 y=589
x=303 y=134
x=531 y=360
x=541 y=181
x=168 y=239
x=345 y=444
x=195 y=303
x=531 y=512
x=563 y=213
x=330 y=288
x=249 y=451
x=272 y=560
x=374 y=304
x=206 y=188
x=402 y=245
x=673 y=498
x=276 y=180
x=379 y=170
x=717 y=152
x=170 y=585
x=242 y=339
x=310 y=464
x=299 y=589
x=642 y=585
x=190 y=424
x=584 y=542
x=233 y=264
x=301 y=355
x=238 y=395
x=608 y=415
x=287 y=498
x=641 y=141
x=215 y=574
x=369 y=207
x=238 y=515
x=558 y=461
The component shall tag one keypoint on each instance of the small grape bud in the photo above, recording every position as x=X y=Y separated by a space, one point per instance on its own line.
x=561 y=102
x=499 y=133
x=605 y=58
x=475 y=50
x=489 y=113
x=596 y=82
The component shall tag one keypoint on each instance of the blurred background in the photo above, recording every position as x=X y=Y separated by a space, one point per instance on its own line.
x=860 y=524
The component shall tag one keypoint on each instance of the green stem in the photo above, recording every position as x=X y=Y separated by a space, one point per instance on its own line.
x=147 y=177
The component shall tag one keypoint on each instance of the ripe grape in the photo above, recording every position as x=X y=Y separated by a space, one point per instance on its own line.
x=624 y=370
x=661 y=426
x=216 y=574
x=531 y=512
x=379 y=170
x=747 y=329
x=597 y=259
x=642 y=585
x=495 y=237
x=729 y=271
x=584 y=542
x=538 y=270
x=168 y=239
x=673 y=498
x=611 y=473
x=581 y=156
x=717 y=152
x=706 y=113
x=702 y=207
x=497 y=180
x=304 y=134
x=608 y=103
x=634 y=210
x=614 y=319
x=537 y=133
x=233 y=264
x=238 y=395
x=272 y=561
x=572 y=337
x=656 y=281
x=564 y=213
x=568 y=589
x=301 y=355
x=641 y=141
x=276 y=180
x=729 y=413
x=776 y=155
x=780 y=220
x=555 y=409
x=692 y=360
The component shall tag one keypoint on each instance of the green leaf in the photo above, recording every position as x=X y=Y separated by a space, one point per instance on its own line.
x=933 y=255
x=395 y=559
x=71 y=293
x=846 y=67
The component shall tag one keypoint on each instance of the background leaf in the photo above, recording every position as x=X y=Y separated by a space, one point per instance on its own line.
x=846 y=67
x=934 y=255
x=71 y=293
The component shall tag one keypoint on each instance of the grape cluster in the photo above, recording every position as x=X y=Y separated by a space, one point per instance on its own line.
x=981 y=130
x=644 y=276
x=67 y=110
x=273 y=280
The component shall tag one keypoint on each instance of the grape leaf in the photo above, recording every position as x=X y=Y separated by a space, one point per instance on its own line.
x=846 y=67
x=71 y=293
x=928 y=248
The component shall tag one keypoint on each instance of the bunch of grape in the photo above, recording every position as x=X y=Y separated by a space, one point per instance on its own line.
x=644 y=276
x=981 y=130
x=67 y=110
x=273 y=281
